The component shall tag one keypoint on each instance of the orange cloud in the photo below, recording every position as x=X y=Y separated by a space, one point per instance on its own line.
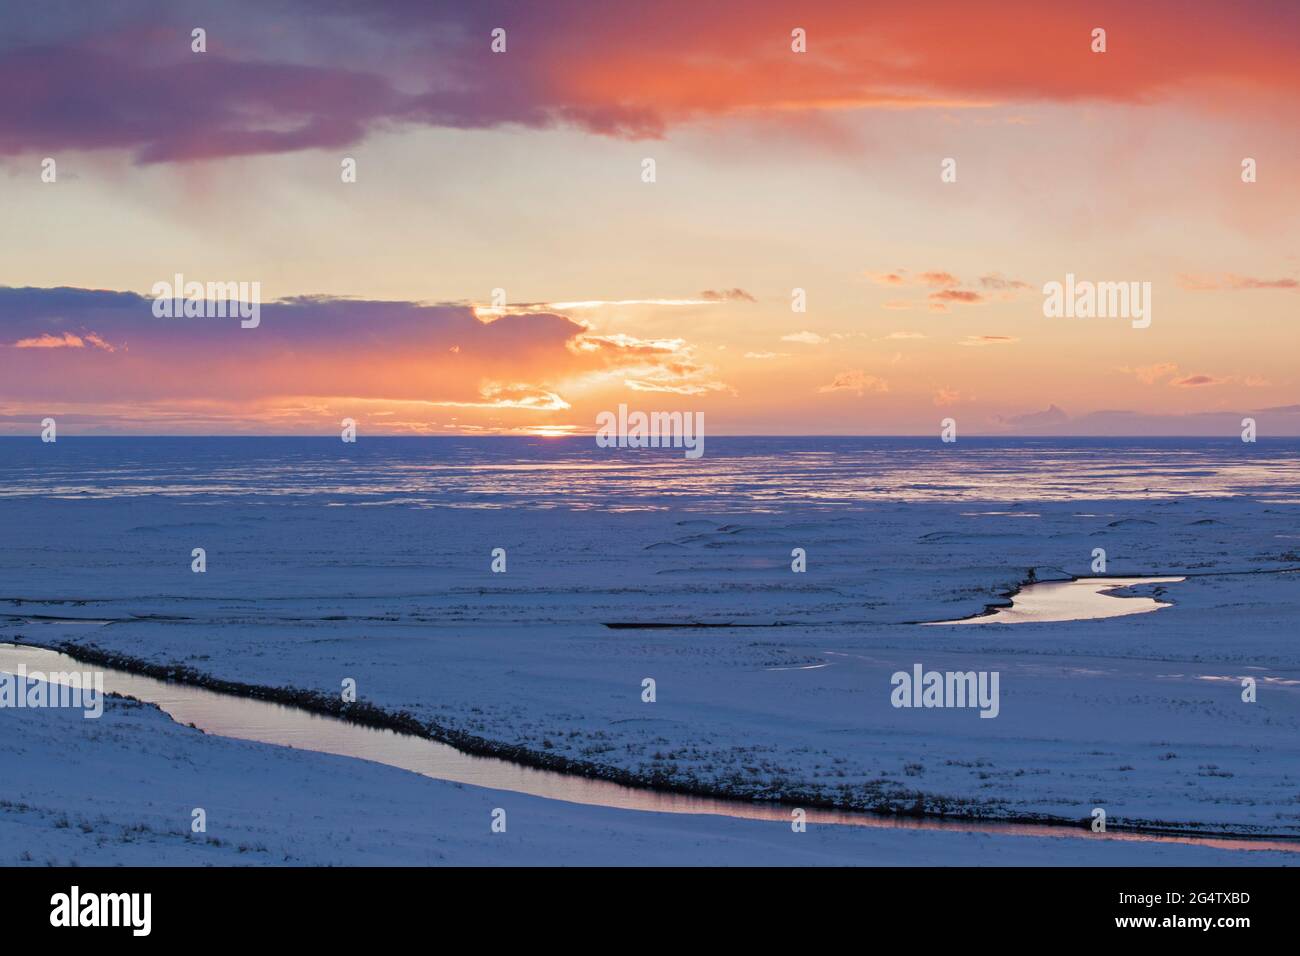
x=655 y=66
x=805 y=338
x=995 y=280
x=727 y=295
x=945 y=286
x=1202 y=283
x=65 y=340
x=369 y=351
x=618 y=69
x=888 y=278
x=46 y=341
x=1150 y=374
x=956 y=295
x=496 y=395
x=1245 y=282
x=855 y=380
x=942 y=279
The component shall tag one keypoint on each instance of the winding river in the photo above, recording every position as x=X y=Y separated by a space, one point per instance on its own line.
x=1082 y=599
x=243 y=718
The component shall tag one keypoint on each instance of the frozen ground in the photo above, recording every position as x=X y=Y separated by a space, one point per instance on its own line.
x=1140 y=715
x=121 y=790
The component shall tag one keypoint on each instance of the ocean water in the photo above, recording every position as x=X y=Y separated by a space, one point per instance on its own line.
x=750 y=473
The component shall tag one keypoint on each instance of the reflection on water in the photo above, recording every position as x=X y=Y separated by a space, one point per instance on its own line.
x=735 y=473
x=246 y=719
x=1079 y=600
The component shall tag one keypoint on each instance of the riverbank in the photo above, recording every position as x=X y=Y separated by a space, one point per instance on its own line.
x=284 y=717
x=123 y=790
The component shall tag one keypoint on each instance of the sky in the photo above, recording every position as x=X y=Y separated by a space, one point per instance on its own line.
x=501 y=263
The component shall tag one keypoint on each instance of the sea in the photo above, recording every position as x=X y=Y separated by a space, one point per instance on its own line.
x=744 y=473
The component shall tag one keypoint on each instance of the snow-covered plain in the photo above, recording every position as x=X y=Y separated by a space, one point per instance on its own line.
x=121 y=790
x=1140 y=715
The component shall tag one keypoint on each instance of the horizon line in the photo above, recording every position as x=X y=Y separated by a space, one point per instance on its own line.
x=593 y=435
